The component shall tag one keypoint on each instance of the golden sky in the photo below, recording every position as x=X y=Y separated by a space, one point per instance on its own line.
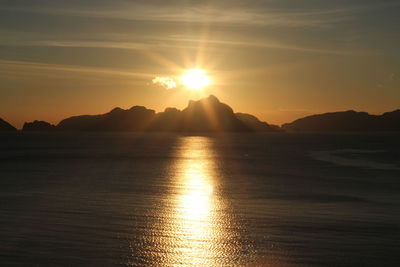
x=279 y=60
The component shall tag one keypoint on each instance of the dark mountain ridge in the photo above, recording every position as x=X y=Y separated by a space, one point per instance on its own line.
x=38 y=126
x=6 y=127
x=255 y=124
x=346 y=121
x=133 y=119
x=211 y=115
x=205 y=115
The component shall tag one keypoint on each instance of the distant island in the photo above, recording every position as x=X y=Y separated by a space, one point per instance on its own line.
x=210 y=115
x=346 y=121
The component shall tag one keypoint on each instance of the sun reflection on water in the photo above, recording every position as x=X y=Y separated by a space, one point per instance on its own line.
x=193 y=224
x=195 y=216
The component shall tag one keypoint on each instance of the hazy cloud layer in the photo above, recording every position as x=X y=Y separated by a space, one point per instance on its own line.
x=341 y=27
x=256 y=15
x=18 y=67
x=266 y=55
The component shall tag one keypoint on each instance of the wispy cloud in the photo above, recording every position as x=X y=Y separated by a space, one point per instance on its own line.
x=143 y=43
x=255 y=13
x=132 y=21
x=180 y=42
x=25 y=65
x=263 y=44
x=200 y=14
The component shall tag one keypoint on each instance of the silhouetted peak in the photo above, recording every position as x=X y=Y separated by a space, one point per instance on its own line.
x=392 y=113
x=253 y=123
x=5 y=126
x=247 y=116
x=36 y=125
x=115 y=110
x=139 y=108
x=212 y=98
x=171 y=110
x=357 y=112
x=210 y=115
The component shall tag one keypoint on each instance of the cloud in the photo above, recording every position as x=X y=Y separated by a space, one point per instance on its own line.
x=28 y=67
x=260 y=13
x=178 y=41
x=109 y=44
x=264 y=44
x=166 y=82
x=256 y=14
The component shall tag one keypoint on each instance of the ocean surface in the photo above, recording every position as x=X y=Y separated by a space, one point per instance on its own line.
x=124 y=199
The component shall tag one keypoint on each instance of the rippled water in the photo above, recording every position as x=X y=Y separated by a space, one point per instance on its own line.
x=225 y=200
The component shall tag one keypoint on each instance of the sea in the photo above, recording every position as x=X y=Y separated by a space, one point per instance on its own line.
x=265 y=199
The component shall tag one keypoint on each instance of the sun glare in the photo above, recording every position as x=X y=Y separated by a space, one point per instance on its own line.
x=195 y=79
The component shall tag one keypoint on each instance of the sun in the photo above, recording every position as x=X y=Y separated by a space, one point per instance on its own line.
x=195 y=79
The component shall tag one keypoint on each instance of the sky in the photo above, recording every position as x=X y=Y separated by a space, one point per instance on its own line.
x=276 y=59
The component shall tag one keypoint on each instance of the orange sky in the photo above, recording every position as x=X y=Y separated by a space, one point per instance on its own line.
x=278 y=60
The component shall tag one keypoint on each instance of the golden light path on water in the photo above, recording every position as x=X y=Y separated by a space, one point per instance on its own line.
x=195 y=202
x=193 y=224
x=199 y=229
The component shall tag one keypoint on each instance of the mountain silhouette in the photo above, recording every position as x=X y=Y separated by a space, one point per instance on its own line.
x=6 y=127
x=210 y=115
x=167 y=121
x=39 y=126
x=346 y=121
x=252 y=122
x=136 y=118
x=205 y=115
